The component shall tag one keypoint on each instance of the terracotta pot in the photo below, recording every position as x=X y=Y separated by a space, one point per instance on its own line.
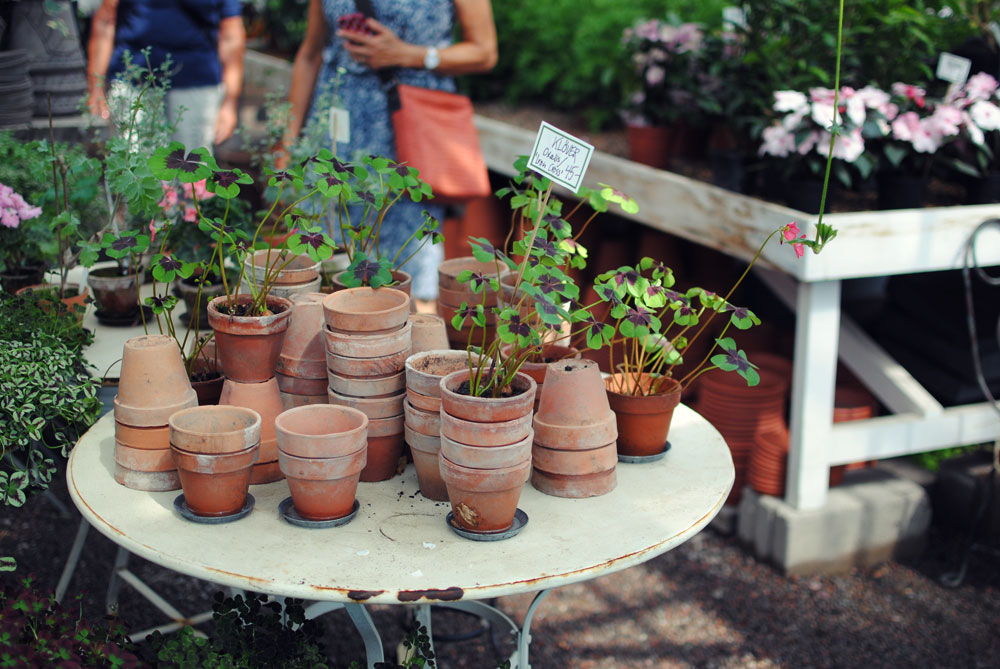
x=483 y=500
x=650 y=144
x=423 y=422
x=303 y=352
x=144 y=459
x=498 y=433
x=423 y=402
x=153 y=382
x=215 y=429
x=574 y=395
x=486 y=409
x=75 y=300
x=292 y=384
x=265 y=399
x=147 y=481
x=487 y=457
x=368 y=344
x=430 y=333
x=248 y=346
x=321 y=431
x=425 y=451
x=424 y=370
x=574 y=463
x=374 y=386
x=403 y=281
x=323 y=488
x=644 y=421
x=210 y=389
x=153 y=438
x=373 y=407
x=115 y=295
x=215 y=484
x=367 y=367
x=187 y=290
x=385 y=447
x=449 y=270
x=366 y=309
x=553 y=354
x=576 y=437
x=300 y=269
x=291 y=400
x=578 y=486
x=474 y=336
x=454 y=298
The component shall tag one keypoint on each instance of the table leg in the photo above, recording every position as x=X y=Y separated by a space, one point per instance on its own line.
x=115 y=583
x=73 y=559
x=369 y=633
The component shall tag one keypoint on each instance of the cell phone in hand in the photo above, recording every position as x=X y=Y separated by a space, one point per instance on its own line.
x=355 y=22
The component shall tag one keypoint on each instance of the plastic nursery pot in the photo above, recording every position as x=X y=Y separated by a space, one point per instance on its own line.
x=303 y=352
x=321 y=431
x=425 y=370
x=215 y=429
x=248 y=346
x=499 y=433
x=643 y=421
x=265 y=399
x=373 y=407
x=385 y=447
x=429 y=333
x=484 y=500
x=368 y=344
x=153 y=383
x=366 y=309
x=402 y=281
x=425 y=451
x=487 y=409
x=323 y=488
x=299 y=269
x=478 y=457
x=215 y=484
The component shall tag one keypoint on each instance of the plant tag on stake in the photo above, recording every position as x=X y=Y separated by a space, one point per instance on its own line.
x=560 y=156
x=953 y=69
x=734 y=17
x=340 y=125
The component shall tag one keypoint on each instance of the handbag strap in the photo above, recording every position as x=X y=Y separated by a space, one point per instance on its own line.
x=389 y=79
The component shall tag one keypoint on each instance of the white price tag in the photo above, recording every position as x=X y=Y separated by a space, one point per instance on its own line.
x=340 y=125
x=560 y=156
x=734 y=16
x=952 y=68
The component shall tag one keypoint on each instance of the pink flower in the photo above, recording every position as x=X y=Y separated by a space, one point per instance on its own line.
x=190 y=214
x=980 y=86
x=655 y=75
x=169 y=199
x=821 y=95
x=152 y=231
x=790 y=231
x=945 y=121
x=777 y=141
x=8 y=218
x=908 y=127
x=847 y=146
x=800 y=249
x=201 y=191
x=13 y=208
x=910 y=92
x=789 y=101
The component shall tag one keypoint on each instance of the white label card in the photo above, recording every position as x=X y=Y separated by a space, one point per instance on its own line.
x=734 y=16
x=952 y=68
x=560 y=156
x=340 y=125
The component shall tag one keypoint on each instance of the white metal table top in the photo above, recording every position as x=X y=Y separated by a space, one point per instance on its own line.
x=399 y=548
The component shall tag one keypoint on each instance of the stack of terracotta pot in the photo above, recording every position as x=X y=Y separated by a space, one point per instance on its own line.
x=367 y=344
x=265 y=399
x=422 y=409
x=742 y=413
x=301 y=370
x=551 y=354
x=323 y=450
x=485 y=456
x=153 y=386
x=215 y=448
x=452 y=293
x=300 y=275
x=574 y=452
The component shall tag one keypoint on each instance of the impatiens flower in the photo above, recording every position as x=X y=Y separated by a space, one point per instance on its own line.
x=985 y=115
x=910 y=92
x=789 y=101
x=823 y=115
x=980 y=86
x=945 y=121
x=655 y=75
x=777 y=141
x=847 y=146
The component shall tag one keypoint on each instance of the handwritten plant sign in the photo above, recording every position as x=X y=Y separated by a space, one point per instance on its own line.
x=560 y=156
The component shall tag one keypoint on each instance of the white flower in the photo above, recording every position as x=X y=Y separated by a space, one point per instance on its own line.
x=847 y=147
x=807 y=144
x=975 y=133
x=980 y=87
x=823 y=115
x=789 y=101
x=985 y=115
x=856 y=110
x=945 y=121
x=777 y=141
x=655 y=75
x=792 y=121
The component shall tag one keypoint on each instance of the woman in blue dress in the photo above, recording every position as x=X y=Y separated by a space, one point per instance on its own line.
x=414 y=37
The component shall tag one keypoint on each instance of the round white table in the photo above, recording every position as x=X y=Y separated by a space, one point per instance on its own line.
x=399 y=548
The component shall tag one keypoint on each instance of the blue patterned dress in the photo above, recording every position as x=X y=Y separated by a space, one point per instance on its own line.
x=424 y=22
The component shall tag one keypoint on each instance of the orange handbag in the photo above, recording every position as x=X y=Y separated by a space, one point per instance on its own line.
x=436 y=133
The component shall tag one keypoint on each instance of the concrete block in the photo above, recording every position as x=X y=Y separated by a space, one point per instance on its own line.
x=875 y=517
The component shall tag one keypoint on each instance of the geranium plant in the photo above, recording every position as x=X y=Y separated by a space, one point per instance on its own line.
x=666 y=60
x=18 y=235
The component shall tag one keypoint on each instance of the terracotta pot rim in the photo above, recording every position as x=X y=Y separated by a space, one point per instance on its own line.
x=516 y=475
x=287 y=421
x=386 y=427
x=215 y=463
x=519 y=450
x=485 y=406
x=421 y=442
x=591 y=435
x=276 y=322
x=399 y=306
x=452 y=425
x=418 y=379
x=250 y=430
x=368 y=405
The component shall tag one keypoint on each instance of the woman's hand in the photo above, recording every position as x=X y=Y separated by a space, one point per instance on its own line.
x=382 y=48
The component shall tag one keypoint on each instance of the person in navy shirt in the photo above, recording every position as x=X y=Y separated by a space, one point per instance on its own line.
x=205 y=40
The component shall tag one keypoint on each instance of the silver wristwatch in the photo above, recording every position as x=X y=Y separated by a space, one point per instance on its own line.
x=431 y=59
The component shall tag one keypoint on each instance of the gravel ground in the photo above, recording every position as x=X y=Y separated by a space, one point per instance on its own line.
x=707 y=603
